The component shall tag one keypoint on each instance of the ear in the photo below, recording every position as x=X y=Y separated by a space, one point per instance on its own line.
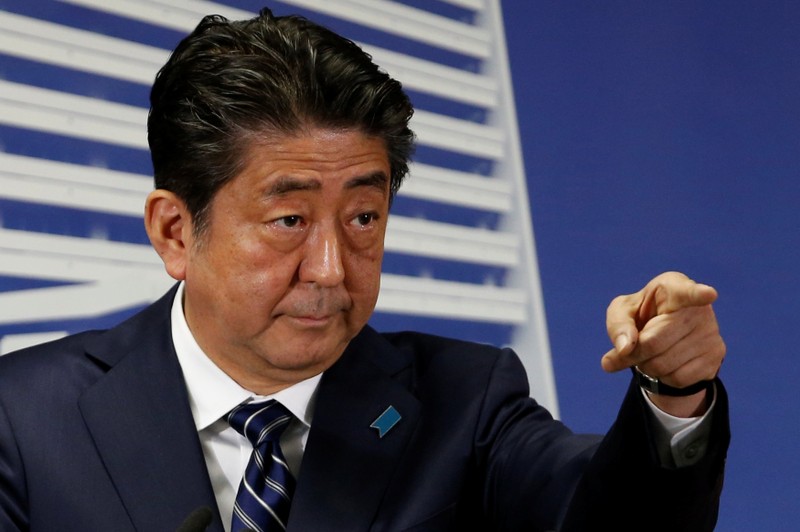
x=169 y=227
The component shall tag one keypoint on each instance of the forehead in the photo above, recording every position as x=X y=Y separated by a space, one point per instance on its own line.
x=317 y=154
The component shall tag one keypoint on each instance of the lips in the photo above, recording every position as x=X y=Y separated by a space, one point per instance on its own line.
x=322 y=317
x=310 y=323
x=318 y=309
x=315 y=316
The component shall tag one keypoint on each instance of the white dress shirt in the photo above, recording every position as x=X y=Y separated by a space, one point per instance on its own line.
x=212 y=394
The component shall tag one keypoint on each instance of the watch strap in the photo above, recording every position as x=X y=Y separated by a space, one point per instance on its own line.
x=653 y=385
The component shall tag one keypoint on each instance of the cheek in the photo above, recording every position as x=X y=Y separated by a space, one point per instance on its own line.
x=269 y=279
x=258 y=274
x=364 y=275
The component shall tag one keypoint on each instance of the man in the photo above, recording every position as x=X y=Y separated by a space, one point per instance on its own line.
x=277 y=147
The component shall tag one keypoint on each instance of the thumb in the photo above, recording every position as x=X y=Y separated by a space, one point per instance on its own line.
x=625 y=337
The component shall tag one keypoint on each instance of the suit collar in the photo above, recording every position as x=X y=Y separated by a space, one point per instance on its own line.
x=139 y=417
x=347 y=465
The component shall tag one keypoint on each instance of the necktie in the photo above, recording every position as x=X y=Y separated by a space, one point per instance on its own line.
x=265 y=493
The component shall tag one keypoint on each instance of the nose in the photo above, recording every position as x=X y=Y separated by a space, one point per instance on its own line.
x=322 y=262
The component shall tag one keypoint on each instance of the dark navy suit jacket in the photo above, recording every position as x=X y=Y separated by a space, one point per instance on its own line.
x=96 y=434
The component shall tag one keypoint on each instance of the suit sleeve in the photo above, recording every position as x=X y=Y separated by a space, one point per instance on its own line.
x=626 y=487
x=541 y=476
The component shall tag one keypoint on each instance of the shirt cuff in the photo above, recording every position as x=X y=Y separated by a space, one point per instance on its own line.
x=681 y=442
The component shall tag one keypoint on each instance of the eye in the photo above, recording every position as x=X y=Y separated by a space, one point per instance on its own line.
x=365 y=218
x=289 y=221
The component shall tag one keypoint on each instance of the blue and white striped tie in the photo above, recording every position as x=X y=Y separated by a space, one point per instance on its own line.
x=265 y=493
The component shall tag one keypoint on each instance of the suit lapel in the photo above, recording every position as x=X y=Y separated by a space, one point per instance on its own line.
x=347 y=464
x=139 y=417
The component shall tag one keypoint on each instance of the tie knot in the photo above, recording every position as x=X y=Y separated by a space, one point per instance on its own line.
x=260 y=422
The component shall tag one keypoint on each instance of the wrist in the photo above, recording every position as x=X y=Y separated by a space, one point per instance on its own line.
x=687 y=406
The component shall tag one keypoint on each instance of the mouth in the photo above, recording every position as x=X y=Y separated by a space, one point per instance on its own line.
x=312 y=321
x=314 y=313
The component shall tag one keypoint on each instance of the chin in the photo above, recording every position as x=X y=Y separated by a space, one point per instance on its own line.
x=307 y=359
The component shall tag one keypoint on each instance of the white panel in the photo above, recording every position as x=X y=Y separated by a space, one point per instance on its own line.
x=531 y=340
x=448 y=299
x=476 y=5
x=114 y=276
x=378 y=14
x=81 y=301
x=433 y=78
x=407 y=22
x=181 y=15
x=70 y=185
x=461 y=136
x=66 y=114
x=452 y=242
x=457 y=188
x=60 y=45
x=59 y=267
x=74 y=258
x=13 y=342
x=75 y=174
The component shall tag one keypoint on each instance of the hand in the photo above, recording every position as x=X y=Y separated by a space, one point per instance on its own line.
x=669 y=330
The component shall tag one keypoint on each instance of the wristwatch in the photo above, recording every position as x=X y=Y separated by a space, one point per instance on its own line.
x=653 y=385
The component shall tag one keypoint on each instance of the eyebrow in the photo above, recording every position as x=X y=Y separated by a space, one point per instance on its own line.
x=376 y=180
x=287 y=184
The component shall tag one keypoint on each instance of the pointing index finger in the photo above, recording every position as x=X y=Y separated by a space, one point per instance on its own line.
x=673 y=291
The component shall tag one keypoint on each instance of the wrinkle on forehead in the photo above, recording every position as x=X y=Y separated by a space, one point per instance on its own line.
x=303 y=161
x=287 y=184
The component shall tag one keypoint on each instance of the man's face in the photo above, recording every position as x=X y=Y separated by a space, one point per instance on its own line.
x=288 y=268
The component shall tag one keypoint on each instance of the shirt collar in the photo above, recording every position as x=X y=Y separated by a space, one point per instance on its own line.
x=212 y=393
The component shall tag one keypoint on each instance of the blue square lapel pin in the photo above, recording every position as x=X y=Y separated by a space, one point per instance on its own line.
x=386 y=421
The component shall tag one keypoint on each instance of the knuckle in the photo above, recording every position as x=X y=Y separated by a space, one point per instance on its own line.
x=654 y=344
x=616 y=303
x=655 y=367
x=721 y=350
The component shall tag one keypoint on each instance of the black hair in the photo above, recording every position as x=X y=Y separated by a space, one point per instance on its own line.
x=230 y=81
